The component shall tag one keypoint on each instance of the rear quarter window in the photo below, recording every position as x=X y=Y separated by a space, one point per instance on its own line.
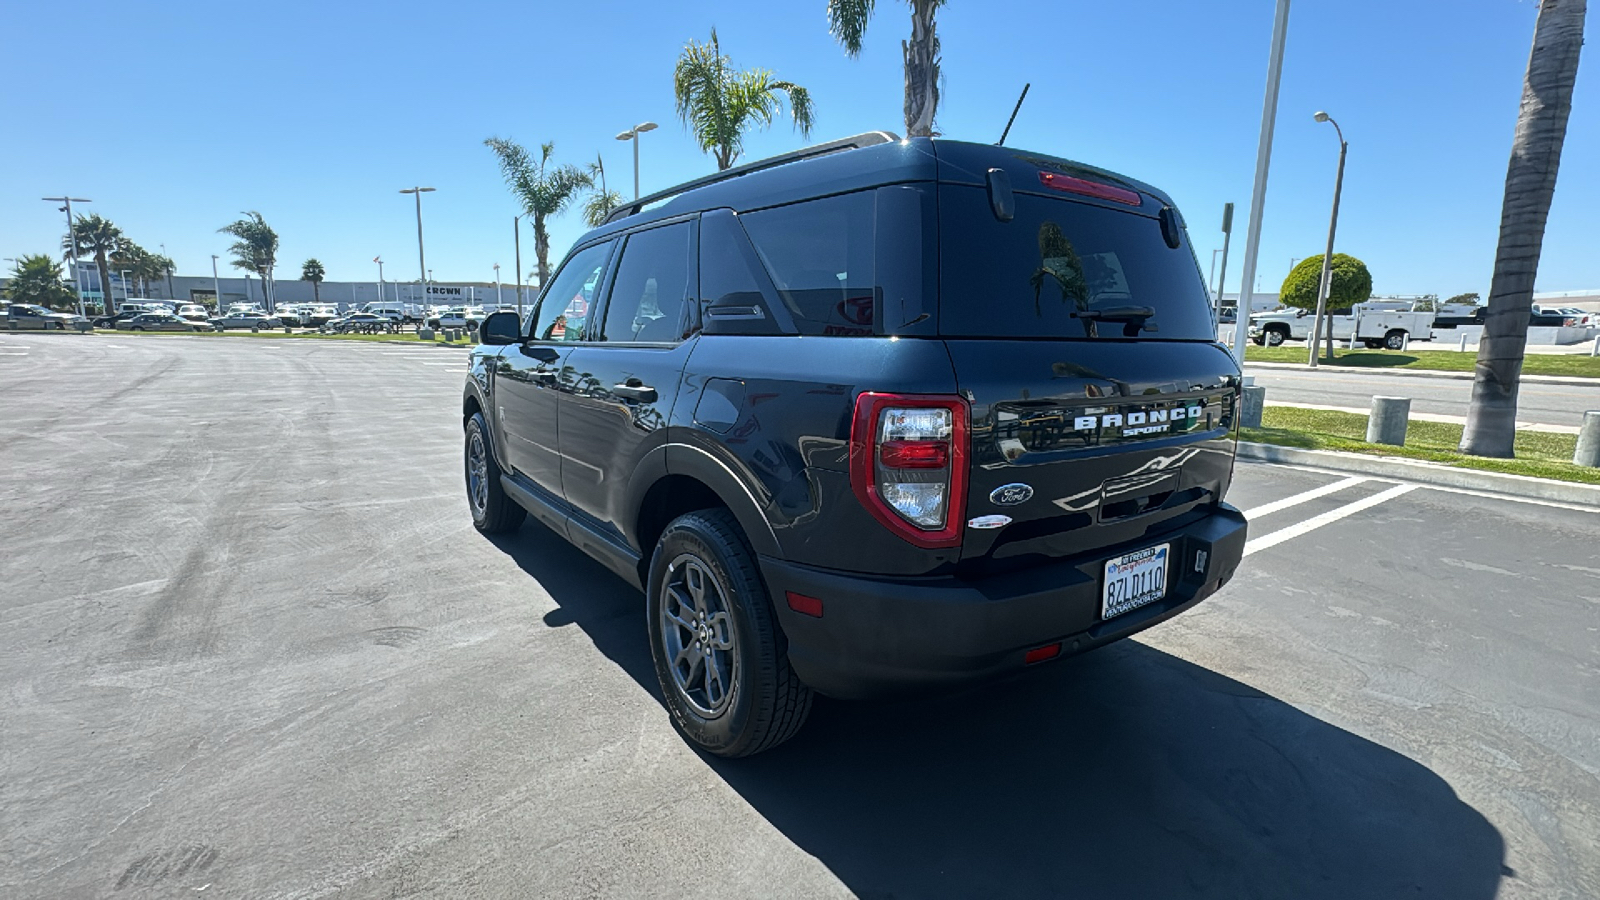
x=819 y=254
x=1026 y=278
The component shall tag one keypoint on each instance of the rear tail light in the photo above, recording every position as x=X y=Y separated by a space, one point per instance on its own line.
x=908 y=464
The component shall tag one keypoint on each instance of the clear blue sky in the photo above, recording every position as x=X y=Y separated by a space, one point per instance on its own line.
x=184 y=114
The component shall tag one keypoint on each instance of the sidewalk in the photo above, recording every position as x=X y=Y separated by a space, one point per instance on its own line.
x=1579 y=380
x=1433 y=417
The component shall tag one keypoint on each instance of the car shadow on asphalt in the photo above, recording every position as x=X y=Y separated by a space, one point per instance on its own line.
x=1127 y=772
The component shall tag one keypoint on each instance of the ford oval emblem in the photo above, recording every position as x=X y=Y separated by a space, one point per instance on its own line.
x=1011 y=494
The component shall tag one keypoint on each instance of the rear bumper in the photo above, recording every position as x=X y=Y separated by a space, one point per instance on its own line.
x=881 y=637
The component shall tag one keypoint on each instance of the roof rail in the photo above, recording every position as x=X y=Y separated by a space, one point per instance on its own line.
x=867 y=139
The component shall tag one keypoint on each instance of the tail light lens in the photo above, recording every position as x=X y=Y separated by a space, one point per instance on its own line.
x=908 y=464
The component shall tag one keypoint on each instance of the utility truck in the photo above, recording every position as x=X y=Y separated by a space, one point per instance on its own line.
x=1376 y=324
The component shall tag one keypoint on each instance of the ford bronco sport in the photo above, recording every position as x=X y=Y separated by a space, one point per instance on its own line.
x=870 y=417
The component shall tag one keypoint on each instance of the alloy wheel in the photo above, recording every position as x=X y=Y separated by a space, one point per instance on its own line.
x=698 y=636
x=477 y=473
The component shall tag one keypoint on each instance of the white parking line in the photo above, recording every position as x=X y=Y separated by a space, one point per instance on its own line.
x=1297 y=499
x=1273 y=539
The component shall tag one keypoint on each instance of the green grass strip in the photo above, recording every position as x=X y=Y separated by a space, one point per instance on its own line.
x=1431 y=360
x=1539 y=454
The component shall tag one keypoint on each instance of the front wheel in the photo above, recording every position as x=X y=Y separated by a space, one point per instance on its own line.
x=718 y=652
x=493 y=511
x=1394 y=340
x=137 y=328
x=1275 y=338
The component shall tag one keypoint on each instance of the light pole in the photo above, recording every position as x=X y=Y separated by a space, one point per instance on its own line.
x=497 y=303
x=1258 y=192
x=1227 y=242
x=216 y=283
x=379 y=261
x=72 y=250
x=516 y=229
x=1325 y=283
x=1213 y=282
x=632 y=134
x=125 y=295
x=422 y=262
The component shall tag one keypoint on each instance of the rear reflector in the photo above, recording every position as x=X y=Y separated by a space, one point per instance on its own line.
x=1036 y=655
x=809 y=606
x=1072 y=185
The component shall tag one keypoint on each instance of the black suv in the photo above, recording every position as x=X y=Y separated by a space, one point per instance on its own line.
x=873 y=416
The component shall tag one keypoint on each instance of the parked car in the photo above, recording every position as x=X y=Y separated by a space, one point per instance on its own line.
x=27 y=316
x=111 y=321
x=255 y=321
x=462 y=317
x=871 y=417
x=194 y=312
x=365 y=323
x=161 y=322
x=318 y=316
x=1457 y=315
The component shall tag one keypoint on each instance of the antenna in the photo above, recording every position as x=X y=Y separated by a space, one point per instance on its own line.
x=1002 y=141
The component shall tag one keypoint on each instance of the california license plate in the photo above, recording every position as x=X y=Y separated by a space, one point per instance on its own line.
x=1134 y=580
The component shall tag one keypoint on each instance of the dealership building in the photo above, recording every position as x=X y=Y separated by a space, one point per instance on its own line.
x=343 y=294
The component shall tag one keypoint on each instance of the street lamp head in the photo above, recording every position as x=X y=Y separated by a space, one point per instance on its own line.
x=415 y=190
x=1322 y=116
x=625 y=136
x=645 y=126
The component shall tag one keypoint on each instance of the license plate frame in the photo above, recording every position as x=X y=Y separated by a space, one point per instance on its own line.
x=1135 y=579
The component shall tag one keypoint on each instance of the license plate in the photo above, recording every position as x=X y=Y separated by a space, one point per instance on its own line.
x=1135 y=579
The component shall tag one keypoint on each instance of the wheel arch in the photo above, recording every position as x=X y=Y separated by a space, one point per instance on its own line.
x=695 y=480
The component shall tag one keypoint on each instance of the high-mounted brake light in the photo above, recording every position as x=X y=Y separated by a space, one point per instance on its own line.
x=908 y=464
x=1059 y=182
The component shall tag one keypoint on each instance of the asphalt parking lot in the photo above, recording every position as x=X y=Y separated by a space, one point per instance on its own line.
x=252 y=647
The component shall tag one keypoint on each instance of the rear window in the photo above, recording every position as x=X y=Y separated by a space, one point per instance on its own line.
x=1029 y=276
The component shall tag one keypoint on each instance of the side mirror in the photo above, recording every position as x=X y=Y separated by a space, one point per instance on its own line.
x=501 y=328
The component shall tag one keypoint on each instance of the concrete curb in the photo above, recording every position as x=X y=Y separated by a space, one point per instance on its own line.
x=1579 y=380
x=1424 y=472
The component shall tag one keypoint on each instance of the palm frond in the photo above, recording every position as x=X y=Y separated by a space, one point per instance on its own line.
x=847 y=22
x=598 y=205
x=799 y=105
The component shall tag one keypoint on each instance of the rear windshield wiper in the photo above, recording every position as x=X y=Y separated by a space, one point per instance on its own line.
x=1132 y=317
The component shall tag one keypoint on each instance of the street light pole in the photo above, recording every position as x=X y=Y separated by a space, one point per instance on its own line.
x=498 y=304
x=632 y=134
x=72 y=251
x=516 y=229
x=1227 y=242
x=216 y=283
x=1325 y=283
x=422 y=262
x=1258 y=193
x=379 y=261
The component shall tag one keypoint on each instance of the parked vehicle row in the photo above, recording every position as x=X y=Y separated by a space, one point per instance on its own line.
x=1390 y=325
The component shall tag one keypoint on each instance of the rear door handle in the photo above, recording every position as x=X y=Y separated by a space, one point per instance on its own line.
x=640 y=393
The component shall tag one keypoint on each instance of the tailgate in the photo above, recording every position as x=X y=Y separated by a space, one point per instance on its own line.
x=1086 y=445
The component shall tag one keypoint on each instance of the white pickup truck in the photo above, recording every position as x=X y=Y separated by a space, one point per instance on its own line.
x=1376 y=324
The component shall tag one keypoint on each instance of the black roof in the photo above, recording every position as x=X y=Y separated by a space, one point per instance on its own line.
x=865 y=161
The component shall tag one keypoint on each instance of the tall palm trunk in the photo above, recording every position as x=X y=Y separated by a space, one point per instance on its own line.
x=316 y=292
x=541 y=248
x=1530 y=183
x=107 y=308
x=922 y=70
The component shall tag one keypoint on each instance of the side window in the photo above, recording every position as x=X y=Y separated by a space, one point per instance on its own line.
x=731 y=297
x=564 y=310
x=652 y=283
x=819 y=254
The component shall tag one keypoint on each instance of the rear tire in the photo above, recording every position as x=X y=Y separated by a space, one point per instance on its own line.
x=493 y=511
x=1372 y=343
x=721 y=659
x=1394 y=340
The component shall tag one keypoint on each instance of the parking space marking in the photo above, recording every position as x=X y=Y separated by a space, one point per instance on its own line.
x=1487 y=495
x=1274 y=538
x=1297 y=499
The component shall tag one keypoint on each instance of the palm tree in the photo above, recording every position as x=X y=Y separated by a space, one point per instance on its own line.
x=543 y=189
x=37 y=279
x=311 y=270
x=719 y=103
x=99 y=238
x=601 y=201
x=256 y=249
x=847 y=21
x=1530 y=183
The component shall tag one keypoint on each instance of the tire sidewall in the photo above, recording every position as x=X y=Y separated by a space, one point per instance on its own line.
x=1394 y=341
x=477 y=425
x=722 y=734
x=1274 y=338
